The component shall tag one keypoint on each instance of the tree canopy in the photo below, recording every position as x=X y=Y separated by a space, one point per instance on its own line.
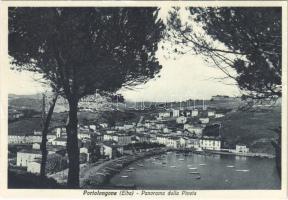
x=81 y=51
x=84 y=49
x=247 y=40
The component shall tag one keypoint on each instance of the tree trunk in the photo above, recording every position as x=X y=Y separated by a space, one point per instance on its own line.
x=44 y=136
x=72 y=145
x=277 y=146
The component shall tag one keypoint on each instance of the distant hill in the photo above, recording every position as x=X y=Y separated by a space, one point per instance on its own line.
x=27 y=126
x=29 y=96
x=25 y=103
x=252 y=128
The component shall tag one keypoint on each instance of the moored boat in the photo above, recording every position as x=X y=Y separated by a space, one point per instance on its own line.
x=193 y=168
x=194 y=172
x=242 y=170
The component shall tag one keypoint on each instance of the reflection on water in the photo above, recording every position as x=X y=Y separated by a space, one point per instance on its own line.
x=193 y=171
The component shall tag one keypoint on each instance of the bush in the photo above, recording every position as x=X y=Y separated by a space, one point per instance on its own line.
x=28 y=180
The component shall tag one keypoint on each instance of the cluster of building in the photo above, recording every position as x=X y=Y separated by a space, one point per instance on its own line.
x=175 y=128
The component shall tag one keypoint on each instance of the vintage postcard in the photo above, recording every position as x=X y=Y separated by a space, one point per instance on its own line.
x=143 y=99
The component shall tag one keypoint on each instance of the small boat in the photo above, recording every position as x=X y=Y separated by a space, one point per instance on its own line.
x=131 y=168
x=230 y=166
x=193 y=168
x=242 y=170
x=124 y=176
x=194 y=172
x=202 y=164
x=181 y=159
x=128 y=170
x=173 y=166
x=198 y=177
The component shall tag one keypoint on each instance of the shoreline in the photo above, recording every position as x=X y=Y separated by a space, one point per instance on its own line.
x=100 y=176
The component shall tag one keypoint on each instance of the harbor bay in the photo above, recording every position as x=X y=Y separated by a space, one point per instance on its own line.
x=195 y=171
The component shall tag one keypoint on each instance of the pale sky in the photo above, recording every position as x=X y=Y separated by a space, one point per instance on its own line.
x=186 y=77
x=180 y=79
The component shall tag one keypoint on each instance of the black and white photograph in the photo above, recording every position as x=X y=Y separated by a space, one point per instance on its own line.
x=146 y=98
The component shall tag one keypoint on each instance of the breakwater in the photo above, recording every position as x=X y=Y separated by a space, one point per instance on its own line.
x=210 y=152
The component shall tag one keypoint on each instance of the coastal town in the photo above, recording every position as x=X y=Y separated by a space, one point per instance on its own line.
x=194 y=129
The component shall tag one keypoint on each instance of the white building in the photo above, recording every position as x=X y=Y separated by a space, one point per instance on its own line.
x=104 y=125
x=210 y=144
x=110 y=131
x=176 y=113
x=204 y=120
x=59 y=142
x=61 y=132
x=143 y=138
x=84 y=135
x=219 y=115
x=241 y=149
x=164 y=114
x=211 y=113
x=169 y=141
x=34 y=166
x=107 y=137
x=24 y=139
x=194 y=113
x=36 y=146
x=181 y=120
x=26 y=156
x=122 y=139
x=16 y=139
x=128 y=126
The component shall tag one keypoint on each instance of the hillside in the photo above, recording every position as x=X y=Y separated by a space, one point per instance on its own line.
x=252 y=128
x=27 y=126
